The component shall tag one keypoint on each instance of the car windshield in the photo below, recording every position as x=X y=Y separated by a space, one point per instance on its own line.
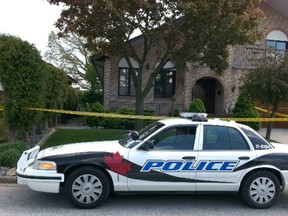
x=128 y=142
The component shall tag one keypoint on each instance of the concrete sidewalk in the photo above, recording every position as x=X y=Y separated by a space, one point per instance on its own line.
x=277 y=134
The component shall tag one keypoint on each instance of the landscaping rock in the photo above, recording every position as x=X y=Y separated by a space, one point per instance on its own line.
x=11 y=172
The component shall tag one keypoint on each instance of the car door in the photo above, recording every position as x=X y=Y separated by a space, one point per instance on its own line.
x=167 y=165
x=223 y=150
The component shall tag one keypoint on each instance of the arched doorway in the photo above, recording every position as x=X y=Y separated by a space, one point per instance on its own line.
x=211 y=92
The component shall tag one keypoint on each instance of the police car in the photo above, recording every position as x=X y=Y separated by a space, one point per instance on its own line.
x=182 y=155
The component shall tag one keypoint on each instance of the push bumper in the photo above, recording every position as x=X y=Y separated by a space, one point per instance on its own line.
x=38 y=180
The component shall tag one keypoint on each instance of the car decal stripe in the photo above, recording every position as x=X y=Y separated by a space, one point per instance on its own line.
x=133 y=171
x=278 y=160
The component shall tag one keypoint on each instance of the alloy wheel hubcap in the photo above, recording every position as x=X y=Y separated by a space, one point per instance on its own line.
x=87 y=188
x=262 y=190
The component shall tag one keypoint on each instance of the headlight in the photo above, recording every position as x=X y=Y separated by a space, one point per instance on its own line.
x=44 y=165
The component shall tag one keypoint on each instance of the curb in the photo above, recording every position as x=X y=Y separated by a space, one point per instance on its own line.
x=8 y=179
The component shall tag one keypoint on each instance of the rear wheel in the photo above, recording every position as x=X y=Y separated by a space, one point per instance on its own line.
x=260 y=189
x=87 y=187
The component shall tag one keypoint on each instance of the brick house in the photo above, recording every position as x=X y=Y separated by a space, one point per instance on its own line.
x=178 y=88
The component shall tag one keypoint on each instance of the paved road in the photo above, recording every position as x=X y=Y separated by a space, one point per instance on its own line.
x=19 y=200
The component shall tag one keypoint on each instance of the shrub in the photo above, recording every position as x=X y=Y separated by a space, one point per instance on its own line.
x=11 y=152
x=10 y=157
x=19 y=145
x=197 y=106
x=95 y=107
x=244 y=108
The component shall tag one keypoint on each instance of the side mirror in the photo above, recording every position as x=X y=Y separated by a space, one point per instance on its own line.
x=134 y=135
x=148 y=145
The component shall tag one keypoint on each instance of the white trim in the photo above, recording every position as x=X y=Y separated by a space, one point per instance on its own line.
x=1 y=87
x=277 y=35
x=168 y=65
x=123 y=63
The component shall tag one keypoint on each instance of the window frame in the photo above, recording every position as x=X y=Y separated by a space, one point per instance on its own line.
x=163 y=93
x=130 y=82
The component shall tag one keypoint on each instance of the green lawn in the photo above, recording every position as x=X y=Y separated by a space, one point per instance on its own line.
x=65 y=136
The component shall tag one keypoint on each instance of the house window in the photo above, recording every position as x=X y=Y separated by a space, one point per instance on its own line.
x=277 y=43
x=165 y=84
x=126 y=85
x=125 y=81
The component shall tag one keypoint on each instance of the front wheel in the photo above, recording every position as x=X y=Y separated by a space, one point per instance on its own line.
x=261 y=189
x=87 y=187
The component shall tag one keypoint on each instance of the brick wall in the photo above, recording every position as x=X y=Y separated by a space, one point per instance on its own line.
x=185 y=80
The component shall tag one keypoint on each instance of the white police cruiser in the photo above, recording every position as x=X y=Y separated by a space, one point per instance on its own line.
x=183 y=155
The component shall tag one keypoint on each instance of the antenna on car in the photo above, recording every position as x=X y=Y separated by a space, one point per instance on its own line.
x=200 y=117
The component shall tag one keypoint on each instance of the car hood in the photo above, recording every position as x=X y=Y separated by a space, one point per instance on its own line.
x=101 y=146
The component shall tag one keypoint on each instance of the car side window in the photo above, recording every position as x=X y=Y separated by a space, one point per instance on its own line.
x=238 y=142
x=216 y=138
x=176 y=138
x=223 y=138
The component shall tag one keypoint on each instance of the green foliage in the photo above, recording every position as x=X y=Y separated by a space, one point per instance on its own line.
x=10 y=153
x=20 y=145
x=72 y=102
x=56 y=92
x=91 y=97
x=269 y=82
x=22 y=74
x=244 y=108
x=197 y=106
x=56 y=88
x=3 y=131
x=95 y=107
x=9 y=158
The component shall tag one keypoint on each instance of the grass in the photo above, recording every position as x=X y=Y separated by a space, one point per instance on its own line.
x=65 y=136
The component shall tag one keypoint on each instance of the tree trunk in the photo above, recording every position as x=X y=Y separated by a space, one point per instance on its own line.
x=139 y=111
x=270 y=124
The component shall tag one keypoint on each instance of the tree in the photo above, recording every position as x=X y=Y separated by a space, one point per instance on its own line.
x=69 y=53
x=244 y=108
x=269 y=84
x=56 y=92
x=178 y=30
x=22 y=74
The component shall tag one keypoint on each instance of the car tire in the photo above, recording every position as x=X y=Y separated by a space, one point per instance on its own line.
x=87 y=187
x=260 y=190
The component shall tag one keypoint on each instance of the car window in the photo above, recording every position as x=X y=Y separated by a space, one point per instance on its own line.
x=217 y=137
x=175 y=138
x=238 y=142
x=257 y=140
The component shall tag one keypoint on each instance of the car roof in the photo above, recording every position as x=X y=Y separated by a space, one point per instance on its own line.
x=184 y=121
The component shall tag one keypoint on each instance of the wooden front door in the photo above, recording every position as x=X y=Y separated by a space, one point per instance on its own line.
x=204 y=89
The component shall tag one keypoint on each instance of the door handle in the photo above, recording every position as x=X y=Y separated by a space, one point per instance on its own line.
x=244 y=158
x=189 y=158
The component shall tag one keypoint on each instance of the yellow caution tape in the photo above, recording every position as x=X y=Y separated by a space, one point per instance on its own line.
x=256 y=119
x=269 y=112
x=114 y=115
x=93 y=114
